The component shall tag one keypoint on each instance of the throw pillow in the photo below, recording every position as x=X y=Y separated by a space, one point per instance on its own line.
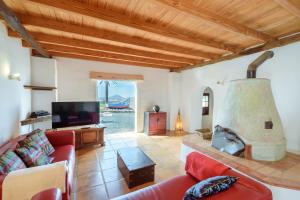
x=209 y=187
x=40 y=138
x=9 y=161
x=33 y=155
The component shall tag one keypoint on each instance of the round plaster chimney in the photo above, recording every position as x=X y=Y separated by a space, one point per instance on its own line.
x=249 y=110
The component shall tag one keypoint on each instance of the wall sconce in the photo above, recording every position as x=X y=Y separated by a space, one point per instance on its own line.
x=178 y=124
x=15 y=76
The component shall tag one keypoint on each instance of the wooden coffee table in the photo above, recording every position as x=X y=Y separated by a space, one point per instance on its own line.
x=136 y=167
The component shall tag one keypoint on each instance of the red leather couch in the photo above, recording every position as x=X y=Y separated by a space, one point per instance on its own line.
x=64 y=145
x=199 y=167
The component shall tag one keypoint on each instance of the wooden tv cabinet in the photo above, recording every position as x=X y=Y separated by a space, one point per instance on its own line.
x=89 y=137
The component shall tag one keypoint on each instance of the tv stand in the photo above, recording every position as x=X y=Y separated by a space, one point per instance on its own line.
x=89 y=136
x=86 y=128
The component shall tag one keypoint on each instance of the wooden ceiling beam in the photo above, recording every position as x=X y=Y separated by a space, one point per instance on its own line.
x=13 y=22
x=88 y=52
x=52 y=39
x=108 y=60
x=111 y=36
x=188 y=8
x=269 y=45
x=289 y=6
x=115 y=76
x=121 y=19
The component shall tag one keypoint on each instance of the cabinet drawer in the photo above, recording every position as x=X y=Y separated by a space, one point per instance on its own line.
x=89 y=137
x=158 y=115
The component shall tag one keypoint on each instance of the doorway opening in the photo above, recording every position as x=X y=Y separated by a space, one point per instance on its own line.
x=117 y=105
x=207 y=108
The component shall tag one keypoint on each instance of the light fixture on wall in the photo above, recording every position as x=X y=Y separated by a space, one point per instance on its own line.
x=15 y=76
x=178 y=124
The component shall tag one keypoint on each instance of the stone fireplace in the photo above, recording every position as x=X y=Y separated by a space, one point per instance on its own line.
x=249 y=111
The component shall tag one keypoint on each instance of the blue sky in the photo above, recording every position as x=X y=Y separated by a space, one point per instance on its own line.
x=123 y=88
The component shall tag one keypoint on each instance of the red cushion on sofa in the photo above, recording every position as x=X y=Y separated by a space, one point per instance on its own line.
x=203 y=167
x=61 y=138
x=62 y=153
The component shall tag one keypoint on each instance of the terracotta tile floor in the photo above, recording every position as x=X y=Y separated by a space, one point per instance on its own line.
x=97 y=175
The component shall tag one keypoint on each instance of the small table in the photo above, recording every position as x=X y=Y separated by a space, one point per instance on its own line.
x=136 y=167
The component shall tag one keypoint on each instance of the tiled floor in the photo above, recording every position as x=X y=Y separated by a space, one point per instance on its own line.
x=97 y=175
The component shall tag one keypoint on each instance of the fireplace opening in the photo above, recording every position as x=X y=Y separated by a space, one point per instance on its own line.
x=228 y=141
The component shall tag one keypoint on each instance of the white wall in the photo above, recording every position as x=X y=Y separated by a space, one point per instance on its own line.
x=174 y=97
x=74 y=84
x=15 y=100
x=283 y=70
x=43 y=73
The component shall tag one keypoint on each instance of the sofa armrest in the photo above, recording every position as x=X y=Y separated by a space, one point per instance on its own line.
x=50 y=194
x=24 y=183
x=60 y=138
x=2 y=177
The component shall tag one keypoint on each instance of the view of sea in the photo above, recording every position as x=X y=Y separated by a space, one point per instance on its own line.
x=117 y=105
x=116 y=122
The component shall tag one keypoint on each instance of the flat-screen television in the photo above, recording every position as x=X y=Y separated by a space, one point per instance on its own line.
x=66 y=114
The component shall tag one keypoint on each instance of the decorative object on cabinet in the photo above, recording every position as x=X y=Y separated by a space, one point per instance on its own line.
x=156 y=108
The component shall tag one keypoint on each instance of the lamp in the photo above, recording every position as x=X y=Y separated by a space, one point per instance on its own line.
x=15 y=76
x=178 y=124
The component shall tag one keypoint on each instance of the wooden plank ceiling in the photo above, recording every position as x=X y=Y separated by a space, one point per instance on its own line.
x=170 y=34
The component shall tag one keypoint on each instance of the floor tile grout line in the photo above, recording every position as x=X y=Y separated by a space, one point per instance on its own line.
x=101 y=171
x=90 y=188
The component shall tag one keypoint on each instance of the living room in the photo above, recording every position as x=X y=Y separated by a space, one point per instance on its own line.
x=199 y=79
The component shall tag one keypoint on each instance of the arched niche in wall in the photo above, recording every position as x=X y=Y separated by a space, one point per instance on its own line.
x=207 y=108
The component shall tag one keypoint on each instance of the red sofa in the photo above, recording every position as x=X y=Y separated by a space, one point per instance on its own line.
x=199 y=167
x=64 y=145
x=50 y=194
